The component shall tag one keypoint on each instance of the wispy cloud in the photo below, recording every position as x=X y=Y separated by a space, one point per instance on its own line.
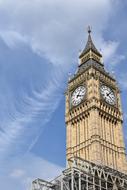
x=12 y=38
x=21 y=172
x=31 y=89
x=47 y=35
x=109 y=49
x=40 y=103
x=18 y=129
x=47 y=27
x=123 y=80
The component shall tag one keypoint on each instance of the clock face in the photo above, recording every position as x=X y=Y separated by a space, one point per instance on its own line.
x=108 y=94
x=78 y=95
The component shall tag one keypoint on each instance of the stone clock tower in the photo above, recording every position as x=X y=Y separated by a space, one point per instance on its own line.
x=95 y=154
x=94 y=114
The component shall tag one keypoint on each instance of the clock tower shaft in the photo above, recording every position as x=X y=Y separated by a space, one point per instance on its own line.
x=94 y=124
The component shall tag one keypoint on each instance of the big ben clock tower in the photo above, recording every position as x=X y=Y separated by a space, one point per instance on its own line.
x=95 y=150
x=94 y=114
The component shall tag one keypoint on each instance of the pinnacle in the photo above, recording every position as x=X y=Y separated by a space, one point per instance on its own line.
x=90 y=45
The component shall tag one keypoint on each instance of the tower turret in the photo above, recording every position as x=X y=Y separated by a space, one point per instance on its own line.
x=90 y=51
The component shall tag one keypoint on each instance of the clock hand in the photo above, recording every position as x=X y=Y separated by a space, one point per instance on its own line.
x=111 y=98
x=109 y=93
x=79 y=95
x=79 y=92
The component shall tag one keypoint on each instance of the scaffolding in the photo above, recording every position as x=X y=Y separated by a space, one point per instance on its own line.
x=84 y=175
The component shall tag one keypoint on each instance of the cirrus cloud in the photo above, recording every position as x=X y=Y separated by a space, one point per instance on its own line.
x=39 y=41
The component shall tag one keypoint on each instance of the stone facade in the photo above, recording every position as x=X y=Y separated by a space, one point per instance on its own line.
x=94 y=126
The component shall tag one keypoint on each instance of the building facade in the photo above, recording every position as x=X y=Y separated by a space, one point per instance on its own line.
x=94 y=114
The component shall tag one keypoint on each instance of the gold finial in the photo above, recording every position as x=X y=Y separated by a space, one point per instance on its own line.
x=89 y=29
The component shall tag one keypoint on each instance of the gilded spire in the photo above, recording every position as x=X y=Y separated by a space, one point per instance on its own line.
x=90 y=45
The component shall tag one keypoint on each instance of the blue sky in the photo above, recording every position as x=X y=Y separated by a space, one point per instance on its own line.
x=39 y=46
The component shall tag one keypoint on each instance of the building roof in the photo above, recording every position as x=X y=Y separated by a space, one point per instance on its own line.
x=90 y=46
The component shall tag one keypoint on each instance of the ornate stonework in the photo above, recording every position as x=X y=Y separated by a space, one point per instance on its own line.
x=94 y=125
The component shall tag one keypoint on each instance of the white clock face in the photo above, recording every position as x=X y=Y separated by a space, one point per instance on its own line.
x=108 y=94
x=78 y=95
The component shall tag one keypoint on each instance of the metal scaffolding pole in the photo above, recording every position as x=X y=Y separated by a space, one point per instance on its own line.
x=72 y=180
x=79 y=181
x=62 y=182
x=84 y=175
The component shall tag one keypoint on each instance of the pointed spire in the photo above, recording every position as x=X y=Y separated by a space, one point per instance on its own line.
x=90 y=45
x=89 y=29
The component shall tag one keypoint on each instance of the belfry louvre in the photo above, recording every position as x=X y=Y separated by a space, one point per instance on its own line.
x=95 y=149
